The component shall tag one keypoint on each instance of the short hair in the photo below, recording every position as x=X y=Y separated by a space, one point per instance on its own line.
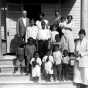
x=57 y=10
x=24 y=11
x=65 y=52
x=62 y=18
x=69 y=16
x=43 y=22
x=36 y=52
x=57 y=36
x=82 y=31
x=42 y=14
x=30 y=38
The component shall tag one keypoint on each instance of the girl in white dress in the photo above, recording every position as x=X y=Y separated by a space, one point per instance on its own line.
x=36 y=67
x=48 y=66
x=81 y=70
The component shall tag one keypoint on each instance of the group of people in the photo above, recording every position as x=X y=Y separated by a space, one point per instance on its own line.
x=50 y=50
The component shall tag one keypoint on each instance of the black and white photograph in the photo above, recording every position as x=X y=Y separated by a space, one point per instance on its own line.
x=43 y=43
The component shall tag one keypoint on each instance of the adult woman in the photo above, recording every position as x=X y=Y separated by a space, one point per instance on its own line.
x=81 y=70
x=67 y=30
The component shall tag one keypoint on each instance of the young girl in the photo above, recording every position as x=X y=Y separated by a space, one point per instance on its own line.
x=57 y=62
x=36 y=67
x=30 y=48
x=48 y=66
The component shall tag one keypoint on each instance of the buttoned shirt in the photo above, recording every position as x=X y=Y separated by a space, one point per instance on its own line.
x=32 y=31
x=24 y=21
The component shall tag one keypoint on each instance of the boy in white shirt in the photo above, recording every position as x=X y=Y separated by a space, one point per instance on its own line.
x=36 y=66
x=48 y=66
x=65 y=64
x=57 y=62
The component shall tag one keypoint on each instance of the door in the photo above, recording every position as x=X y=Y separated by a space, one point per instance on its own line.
x=12 y=16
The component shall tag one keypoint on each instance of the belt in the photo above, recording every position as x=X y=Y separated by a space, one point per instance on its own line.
x=43 y=40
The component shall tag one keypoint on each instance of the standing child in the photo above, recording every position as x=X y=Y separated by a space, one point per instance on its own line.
x=19 y=62
x=65 y=65
x=54 y=33
x=36 y=67
x=48 y=66
x=30 y=48
x=57 y=62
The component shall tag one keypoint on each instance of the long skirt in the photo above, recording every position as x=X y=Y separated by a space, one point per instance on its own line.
x=81 y=74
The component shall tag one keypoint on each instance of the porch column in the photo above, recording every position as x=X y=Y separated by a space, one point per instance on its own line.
x=84 y=15
x=0 y=32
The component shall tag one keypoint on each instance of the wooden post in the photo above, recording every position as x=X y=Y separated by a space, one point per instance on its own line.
x=84 y=15
x=0 y=33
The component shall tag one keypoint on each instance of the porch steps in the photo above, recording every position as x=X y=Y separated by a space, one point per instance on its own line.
x=6 y=64
x=8 y=79
x=25 y=82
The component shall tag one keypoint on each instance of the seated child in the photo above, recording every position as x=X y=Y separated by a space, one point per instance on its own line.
x=36 y=66
x=57 y=62
x=20 y=61
x=65 y=65
x=48 y=66
x=30 y=48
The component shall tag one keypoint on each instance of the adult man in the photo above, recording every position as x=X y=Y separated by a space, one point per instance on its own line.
x=57 y=17
x=22 y=24
x=43 y=36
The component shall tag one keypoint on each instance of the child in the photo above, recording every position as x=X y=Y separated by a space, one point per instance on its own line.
x=48 y=66
x=57 y=41
x=30 y=48
x=57 y=62
x=54 y=33
x=71 y=65
x=36 y=67
x=20 y=61
x=65 y=65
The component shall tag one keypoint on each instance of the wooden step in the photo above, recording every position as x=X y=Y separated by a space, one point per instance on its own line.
x=24 y=82
x=6 y=64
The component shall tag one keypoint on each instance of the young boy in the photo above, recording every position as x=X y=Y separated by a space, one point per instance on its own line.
x=36 y=66
x=30 y=48
x=48 y=66
x=19 y=62
x=65 y=65
x=57 y=62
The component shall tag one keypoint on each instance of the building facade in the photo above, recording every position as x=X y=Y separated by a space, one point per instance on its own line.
x=10 y=11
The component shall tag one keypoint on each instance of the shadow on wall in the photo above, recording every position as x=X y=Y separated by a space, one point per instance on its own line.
x=66 y=6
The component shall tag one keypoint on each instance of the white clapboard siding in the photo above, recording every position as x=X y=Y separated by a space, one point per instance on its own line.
x=75 y=11
x=71 y=7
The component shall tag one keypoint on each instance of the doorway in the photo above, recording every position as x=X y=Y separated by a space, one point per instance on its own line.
x=33 y=10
